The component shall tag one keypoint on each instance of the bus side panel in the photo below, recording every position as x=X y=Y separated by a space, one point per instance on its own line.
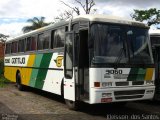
x=10 y=73
x=42 y=72
x=39 y=70
x=54 y=76
x=27 y=71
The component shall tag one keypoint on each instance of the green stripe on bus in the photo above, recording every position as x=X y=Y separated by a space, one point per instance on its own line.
x=34 y=74
x=45 y=62
x=136 y=74
x=141 y=74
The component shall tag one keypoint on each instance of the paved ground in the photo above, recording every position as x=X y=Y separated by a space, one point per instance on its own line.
x=38 y=105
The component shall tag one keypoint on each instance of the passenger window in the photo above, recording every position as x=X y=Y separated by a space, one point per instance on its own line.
x=59 y=36
x=43 y=41
x=31 y=43
x=8 y=48
x=21 y=45
x=28 y=44
x=14 y=47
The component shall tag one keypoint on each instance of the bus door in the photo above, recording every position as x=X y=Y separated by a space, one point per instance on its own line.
x=156 y=55
x=83 y=66
x=76 y=66
x=69 y=72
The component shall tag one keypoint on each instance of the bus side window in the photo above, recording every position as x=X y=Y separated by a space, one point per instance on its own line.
x=46 y=40
x=59 y=36
x=43 y=41
x=33 y=43
x=21 y=45
x=14 y=48
x=8 y=48
x=52 y=38
x=28 y=44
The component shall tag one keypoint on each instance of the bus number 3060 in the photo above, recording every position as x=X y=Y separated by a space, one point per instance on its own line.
x=114 y=71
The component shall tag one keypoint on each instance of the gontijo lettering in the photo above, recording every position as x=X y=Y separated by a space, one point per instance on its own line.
x=18 y=60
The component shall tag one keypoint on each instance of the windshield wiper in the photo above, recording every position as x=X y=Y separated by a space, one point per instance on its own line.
x=120 y=55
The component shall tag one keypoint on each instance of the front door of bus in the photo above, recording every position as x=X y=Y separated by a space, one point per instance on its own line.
x=69 y=72
x=157 y=72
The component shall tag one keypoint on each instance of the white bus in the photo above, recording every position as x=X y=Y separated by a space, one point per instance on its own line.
x=155 y=43
x=90 y=58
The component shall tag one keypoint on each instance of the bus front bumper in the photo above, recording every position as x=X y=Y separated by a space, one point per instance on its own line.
x=107 y=95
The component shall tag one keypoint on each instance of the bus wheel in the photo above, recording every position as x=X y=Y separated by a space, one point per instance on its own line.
x=72 y=105
x=18 y=82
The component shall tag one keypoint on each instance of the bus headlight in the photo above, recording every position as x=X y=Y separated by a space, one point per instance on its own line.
x=106 y=84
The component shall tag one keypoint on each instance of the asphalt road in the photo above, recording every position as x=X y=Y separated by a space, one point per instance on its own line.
x=34 y=104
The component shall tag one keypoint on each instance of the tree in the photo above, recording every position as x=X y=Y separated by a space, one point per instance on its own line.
x=35 y=24
x=87 y=6
x=64 y=15
x=3 y=37
x=151 y=16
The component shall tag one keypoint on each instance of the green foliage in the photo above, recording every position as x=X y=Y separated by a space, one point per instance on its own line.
x=3 y=37
x=35 y=24
x=1 y=66
x=151 y=16
x=3 y=81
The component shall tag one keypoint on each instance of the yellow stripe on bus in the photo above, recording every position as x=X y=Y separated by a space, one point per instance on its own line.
x=28 y=71
x=149 y=74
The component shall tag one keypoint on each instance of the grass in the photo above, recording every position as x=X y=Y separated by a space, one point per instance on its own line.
x=3 y=81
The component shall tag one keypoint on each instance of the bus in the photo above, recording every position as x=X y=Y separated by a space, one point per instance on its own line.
x=155 y=44
x=89 y=58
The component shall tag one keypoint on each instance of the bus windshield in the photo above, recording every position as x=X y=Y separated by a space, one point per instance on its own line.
x=119 y=44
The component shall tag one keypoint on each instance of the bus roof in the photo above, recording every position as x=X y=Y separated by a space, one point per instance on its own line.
x=154 y=32
x=108 y=18
x=91 y=18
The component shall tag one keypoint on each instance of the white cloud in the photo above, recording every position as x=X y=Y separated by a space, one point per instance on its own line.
x=12 y=29
x=16 y=12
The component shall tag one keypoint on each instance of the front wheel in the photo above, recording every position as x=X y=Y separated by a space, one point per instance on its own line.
x=72 y=105
x=18 y=82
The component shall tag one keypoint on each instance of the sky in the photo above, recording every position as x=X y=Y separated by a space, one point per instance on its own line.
x=14 y=13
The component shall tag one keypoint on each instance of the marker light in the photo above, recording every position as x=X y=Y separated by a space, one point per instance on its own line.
x=96 y=84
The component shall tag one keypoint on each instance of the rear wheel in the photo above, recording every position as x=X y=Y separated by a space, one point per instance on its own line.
x=18 y=82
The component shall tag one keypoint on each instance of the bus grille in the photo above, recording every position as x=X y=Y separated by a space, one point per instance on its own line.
x=128 y=97
x=131 y=94
x=126 y=83
x=138 y=83
x=122 y=83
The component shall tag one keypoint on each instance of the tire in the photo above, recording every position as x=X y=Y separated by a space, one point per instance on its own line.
x=72 y=105
x=18 y=82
